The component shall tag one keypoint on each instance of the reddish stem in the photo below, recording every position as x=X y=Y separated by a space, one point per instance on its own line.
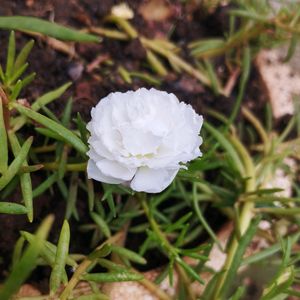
x=6 y=112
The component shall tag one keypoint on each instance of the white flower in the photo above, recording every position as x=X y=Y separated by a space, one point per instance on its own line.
x=142 y=139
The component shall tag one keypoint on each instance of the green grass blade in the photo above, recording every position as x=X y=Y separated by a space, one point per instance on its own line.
x=104 y=251
x=189 y=270
x=243 y=243
x=206 y=46
x=280 y=285
x=10 y=188
x=266 y=253
x=82 y=128
x=15 y=166
x=90 y=193
x=246 y=66
x=60 y=258
x=27 y=263
x=239 y=293
x=113 y=277
x=23 y=55
x=28 y=79
x=65 y=133
x=41 y=101
x=109 y=265
x=211 y=286
x=122 y=252
x=65 y=120
x=62 y=150
x=11 y=52
x=49 y=133
x=63 y=160
x=46 y=254
x=47 y=28
x=204 y=223
x=3 y=141
x=49 y=250
x=226 y=145
x=101 y=224
x=12 y=208
x=215 y=83
x=17 y=73
x=50 y=96
x=45 y=185
x=108 y=196
x=156 y=64
x=25 y=178
x=16 y=90
x=50 y=114
x=72 y=197
x=17 y=254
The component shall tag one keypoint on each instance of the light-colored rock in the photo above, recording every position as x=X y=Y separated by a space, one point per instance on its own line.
x=27 y=290
x=283 y=180
x=281 y=80
x=127 y=290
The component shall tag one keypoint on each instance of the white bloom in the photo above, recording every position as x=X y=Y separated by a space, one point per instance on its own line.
x=142 y=138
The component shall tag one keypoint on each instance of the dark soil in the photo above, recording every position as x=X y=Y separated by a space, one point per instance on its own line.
x=54 y=68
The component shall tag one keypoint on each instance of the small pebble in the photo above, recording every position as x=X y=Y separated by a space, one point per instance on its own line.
x=75 y=71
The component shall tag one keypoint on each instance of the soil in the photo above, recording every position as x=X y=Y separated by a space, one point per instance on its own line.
x=54 y=68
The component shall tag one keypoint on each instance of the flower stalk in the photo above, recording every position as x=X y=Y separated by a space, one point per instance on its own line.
x=77 y=167
x=165 y=244
x=245 y=216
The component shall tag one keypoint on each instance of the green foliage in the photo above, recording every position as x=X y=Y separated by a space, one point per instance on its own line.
x=113 y=277
x=12 y=208
x=62 y=250
x=3 y=141
x=16 y=164
x=25 y=178
x=27 y=261
x=46 y=28
x=181 y=224
x=57 y=128
x=262 y=25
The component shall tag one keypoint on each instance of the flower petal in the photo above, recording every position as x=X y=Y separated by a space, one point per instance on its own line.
x=116 y=170
x=94 y=173
x=152 y=180
x=97 y=148
x=139 y=142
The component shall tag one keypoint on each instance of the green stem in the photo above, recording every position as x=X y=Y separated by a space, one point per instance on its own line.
x=44 y=149
x=53 y=166
x=245 y=217
x=165 y=244
x=82 y=268
x=186 y=281
x=259 y=128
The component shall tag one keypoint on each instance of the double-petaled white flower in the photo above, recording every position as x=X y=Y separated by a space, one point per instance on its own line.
x=142 y=139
